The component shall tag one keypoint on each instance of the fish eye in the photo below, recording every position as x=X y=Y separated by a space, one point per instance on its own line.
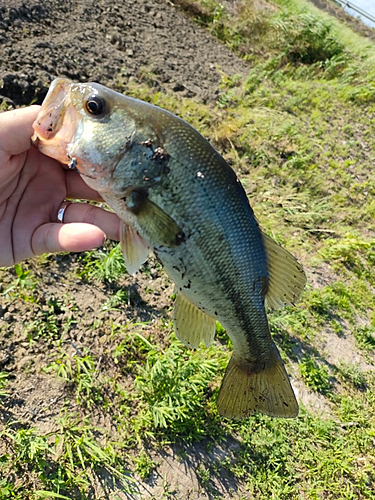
x=95 y=105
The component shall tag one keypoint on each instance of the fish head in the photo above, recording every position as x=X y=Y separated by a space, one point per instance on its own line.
x=88 y=127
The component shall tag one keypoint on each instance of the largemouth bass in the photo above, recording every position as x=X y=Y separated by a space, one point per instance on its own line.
x=177 y=196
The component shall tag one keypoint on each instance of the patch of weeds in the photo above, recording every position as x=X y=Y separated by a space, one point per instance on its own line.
x=144 y=464
x=65 y=461
x=205 y=12
x=173 y=388
x=78 y=449
x=365 y=337
x=50 y=321
x=307 y=457
x=204 y=475
x=105 y=264
x=307 y=39
x=289 y=322
x=30 y=447
x=9 y=490
x=116 y=300
x=354 y=254
x=335 y=299
x=133 y=349
x=315 y=376
x=351 y=373
x=3 y=383
x=241 y=33
x=81 y=374
x=357 y=412
x=22 y=286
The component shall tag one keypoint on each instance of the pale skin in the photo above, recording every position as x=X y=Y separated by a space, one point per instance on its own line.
x=32 y=189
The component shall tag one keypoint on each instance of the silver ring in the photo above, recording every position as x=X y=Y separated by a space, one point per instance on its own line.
x=61 y=211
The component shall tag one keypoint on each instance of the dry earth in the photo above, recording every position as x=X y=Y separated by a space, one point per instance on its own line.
x=107 y=41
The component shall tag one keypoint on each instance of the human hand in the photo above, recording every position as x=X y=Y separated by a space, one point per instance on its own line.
x=32 y=189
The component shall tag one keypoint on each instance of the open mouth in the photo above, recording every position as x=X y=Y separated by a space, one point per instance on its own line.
x=56 y=122
x=50 y=117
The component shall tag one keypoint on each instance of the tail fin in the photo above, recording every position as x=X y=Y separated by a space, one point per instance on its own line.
x=244 y=391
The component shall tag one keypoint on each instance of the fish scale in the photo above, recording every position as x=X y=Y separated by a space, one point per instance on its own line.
x=231 y=218
x=176 y=195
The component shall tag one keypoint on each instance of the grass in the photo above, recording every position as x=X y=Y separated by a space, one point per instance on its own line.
x=3 y=384
x=172 y=386
x=65 y=461
x=298 y=129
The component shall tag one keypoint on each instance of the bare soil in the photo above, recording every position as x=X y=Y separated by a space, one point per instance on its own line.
x=110 y=42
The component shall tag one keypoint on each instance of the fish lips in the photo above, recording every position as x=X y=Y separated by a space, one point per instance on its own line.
x=55 y=124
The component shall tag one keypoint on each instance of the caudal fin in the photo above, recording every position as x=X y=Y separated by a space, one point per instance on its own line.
x=244 y=391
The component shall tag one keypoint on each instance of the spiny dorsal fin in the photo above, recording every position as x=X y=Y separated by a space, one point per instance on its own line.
x=286 y=276
x=134 y=248
x=245 y=391
x=192 y=326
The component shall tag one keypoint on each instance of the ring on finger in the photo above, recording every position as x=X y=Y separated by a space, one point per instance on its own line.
x=61 y=212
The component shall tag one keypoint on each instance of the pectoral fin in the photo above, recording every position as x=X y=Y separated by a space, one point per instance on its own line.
x=134 y=248
x=192 y=326
x=286 y=276
x=159 y=227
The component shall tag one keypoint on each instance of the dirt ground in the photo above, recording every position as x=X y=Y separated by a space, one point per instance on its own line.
x=109 y=42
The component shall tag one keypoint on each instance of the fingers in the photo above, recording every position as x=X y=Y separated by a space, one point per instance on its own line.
x=16 y=129
x=108 y=222
x=76 y=237
x=76 y=187
x=85 y=227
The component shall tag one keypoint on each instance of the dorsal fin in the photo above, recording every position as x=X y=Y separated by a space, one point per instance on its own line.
x=192 y=325
x=286 y=276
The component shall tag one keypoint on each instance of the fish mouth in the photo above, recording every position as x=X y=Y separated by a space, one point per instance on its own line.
x=56 y=122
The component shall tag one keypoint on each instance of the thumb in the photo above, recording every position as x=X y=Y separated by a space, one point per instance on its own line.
x=74 y=237
x=16 y=130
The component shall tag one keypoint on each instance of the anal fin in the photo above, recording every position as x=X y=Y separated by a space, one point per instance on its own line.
x=245 y=391
x=134 y=248
x=192 y=325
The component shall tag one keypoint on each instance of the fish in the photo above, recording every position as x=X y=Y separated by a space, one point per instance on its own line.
x=178 y=197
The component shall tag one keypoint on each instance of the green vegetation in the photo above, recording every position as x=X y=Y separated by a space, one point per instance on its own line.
x=298 y=129
x=173 y=387
x=315 y=376
x=3 y=383
x=104 y=264
x=66 y=460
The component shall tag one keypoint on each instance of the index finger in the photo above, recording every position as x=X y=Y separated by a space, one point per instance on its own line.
x=16 y=129
x=77 y=188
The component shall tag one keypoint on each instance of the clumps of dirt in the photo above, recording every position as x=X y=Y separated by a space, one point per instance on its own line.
x=109 y=42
